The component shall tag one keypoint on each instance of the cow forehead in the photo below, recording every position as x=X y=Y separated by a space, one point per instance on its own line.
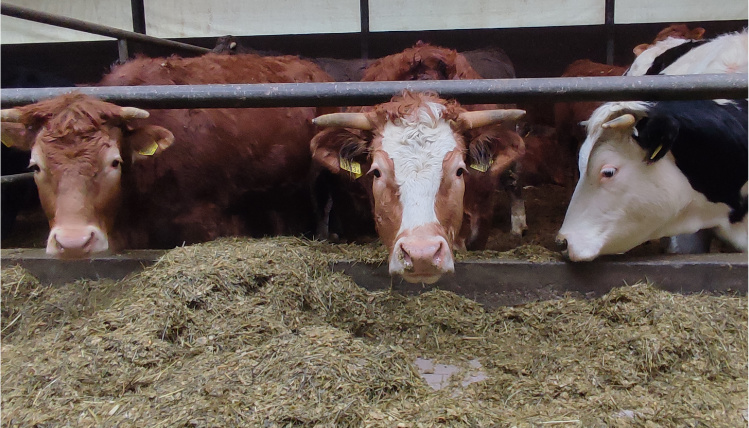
x=597 y=135
x=418 y=144
x=81 y=152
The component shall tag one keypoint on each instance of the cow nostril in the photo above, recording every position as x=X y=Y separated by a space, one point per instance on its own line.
x=57 y=243
x=561 y=242
x=438 y=254
x=405 y=258
x=89 y=241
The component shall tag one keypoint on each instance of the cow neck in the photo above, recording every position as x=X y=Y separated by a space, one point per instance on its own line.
x=698 y=214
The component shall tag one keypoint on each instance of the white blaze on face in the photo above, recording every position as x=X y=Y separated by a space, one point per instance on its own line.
x=622 y=201
x=417 y=150
x=419 y=147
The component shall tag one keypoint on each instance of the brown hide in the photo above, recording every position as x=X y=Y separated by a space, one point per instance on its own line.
x=229 y=171
x=421 y=62
x=233 y=171
x=427 y=62
x=545 y=160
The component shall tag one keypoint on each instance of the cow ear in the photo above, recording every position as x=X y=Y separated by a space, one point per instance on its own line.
x=149 y=140
x=640 y=48
x=16 y=135
x=697 y=33
x=495 y=150
x=335 y=148
x=656 y=135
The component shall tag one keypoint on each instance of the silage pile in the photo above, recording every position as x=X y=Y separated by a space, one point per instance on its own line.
x=260 y=333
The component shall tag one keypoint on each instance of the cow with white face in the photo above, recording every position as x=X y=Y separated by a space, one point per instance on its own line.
x=410 y=152
x=649 y=170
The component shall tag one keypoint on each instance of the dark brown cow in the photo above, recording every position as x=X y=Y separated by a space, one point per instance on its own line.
x=410 y=157
x=493 y=152
x=490 y=63
x=106 y=185
x=545 y=160
x=341 y=70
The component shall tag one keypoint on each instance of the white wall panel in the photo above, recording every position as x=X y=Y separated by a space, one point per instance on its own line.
x=644 y=11
x=408 y=15
x=113 y=13
x=204 y=18
x=213 y=18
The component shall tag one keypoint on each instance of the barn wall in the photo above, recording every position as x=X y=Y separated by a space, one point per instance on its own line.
x=400 y=15
x=204 y=18
x=535 y=52
x=645 y=11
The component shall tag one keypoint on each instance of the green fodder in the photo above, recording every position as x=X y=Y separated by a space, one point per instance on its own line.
x=242 y=332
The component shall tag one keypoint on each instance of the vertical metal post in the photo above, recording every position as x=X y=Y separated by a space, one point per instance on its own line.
x=609 y=23
x=122 y=50
x=139 y=16
x=364 y=34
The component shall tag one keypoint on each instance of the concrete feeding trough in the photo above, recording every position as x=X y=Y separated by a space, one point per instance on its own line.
x=493 y=283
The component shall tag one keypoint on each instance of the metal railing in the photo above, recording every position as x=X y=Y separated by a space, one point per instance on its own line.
x=614 y=88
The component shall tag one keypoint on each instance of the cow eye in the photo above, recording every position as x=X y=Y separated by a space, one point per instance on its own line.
x=460 y=171
x=376 y=173
x=34 y=168
x=608 y=172
x=116 y=163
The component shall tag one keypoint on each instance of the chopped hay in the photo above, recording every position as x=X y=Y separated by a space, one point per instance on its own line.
x=241 y=332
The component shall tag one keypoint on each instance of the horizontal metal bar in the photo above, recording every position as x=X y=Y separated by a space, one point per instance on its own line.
x=12 y=178
x=619 y=88
x=90 y=27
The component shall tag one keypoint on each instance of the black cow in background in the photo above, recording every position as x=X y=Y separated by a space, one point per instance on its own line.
x=18 y=195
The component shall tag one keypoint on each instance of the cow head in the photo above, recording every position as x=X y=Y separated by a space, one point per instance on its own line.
x=80 y=149
x=628 y=193
x=410 y=154
x=421 y=62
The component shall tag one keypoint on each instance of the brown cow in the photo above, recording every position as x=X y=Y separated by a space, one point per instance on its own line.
x=493 y=152
x=106 y=185
x=410 y=157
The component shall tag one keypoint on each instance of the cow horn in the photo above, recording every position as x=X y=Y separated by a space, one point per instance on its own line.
x=344 y=120
x=10 y=115
x=133 y=113
x=476 y=119
x=623 y=121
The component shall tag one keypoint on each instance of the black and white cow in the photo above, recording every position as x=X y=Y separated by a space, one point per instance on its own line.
x=651 y=170
x=724 y=54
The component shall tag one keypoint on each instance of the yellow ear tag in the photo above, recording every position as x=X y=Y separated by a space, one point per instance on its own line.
x=351 y=166
x=655 y=153
x=150 y=150
x=482 y=167
x=6 y=144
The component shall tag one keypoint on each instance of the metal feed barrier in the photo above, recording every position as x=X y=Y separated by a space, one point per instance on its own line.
x=610 y=88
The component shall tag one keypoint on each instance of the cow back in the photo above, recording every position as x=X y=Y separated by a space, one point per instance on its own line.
x=230 y=171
